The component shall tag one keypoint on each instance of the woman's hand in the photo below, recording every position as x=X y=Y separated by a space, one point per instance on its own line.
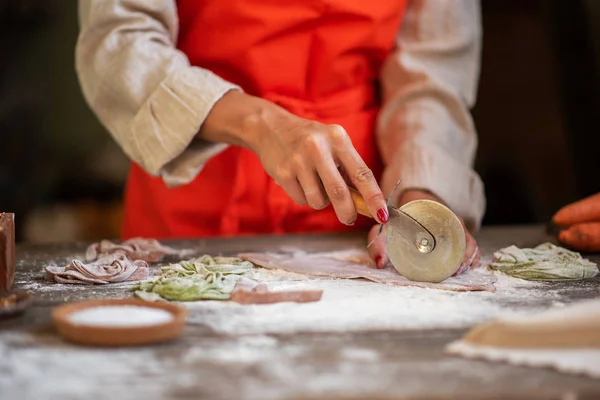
x=304 y=157
x=379 y=255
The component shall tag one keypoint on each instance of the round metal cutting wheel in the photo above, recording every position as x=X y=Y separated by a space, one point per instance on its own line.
x=449 y=246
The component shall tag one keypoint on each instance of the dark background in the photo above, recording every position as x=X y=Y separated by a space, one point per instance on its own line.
x=536 y=116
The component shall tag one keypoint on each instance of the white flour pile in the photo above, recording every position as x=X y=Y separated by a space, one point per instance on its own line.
x=120 y=316
x=353 y=305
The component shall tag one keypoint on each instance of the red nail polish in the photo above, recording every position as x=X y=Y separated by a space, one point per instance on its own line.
x=382 y=214
x=378 y=261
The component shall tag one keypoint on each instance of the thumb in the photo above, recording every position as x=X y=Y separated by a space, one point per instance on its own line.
x=377 y=249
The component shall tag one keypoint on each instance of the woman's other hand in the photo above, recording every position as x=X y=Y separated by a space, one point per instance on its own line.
x=303 y=157
x=379 y=255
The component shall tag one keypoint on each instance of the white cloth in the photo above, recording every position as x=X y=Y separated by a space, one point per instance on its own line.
x=153 y=102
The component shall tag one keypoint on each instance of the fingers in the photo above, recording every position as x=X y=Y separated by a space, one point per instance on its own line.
x=476 y=259
x=309 y=173
x=360 y=175
x=377 y=249
x=472 y=255
x=313 y=190
x=294 y=190
x=336 y=189
x=470 y=248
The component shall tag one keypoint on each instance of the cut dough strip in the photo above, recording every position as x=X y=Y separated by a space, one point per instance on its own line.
x=351 y=265
x=108 y=269
x=150 y=250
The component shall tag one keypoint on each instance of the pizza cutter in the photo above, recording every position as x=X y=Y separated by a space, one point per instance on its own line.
x=425 y=240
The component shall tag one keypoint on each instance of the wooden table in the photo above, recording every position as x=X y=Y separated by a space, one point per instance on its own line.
x=36 y=363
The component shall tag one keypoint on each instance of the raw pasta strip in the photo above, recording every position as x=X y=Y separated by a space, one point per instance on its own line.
x=108 y=269
x=216 y=278
x=546 y=262
x=204 y=278
x=333 y=266
x=249 y=291
x=149 y=250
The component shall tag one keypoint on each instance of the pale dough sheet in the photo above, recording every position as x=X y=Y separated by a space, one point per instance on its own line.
x=354 y=264
x=566 y=339
x=571 y=361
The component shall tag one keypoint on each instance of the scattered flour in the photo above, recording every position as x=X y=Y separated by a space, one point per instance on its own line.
x=246 y=350
x=355 y=305
x=250 y=367
x=120 y=316
x=33 y=370
x=358 y=354
x=32 y=367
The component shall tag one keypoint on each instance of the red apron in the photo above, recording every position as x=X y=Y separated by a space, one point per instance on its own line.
x=320 y=59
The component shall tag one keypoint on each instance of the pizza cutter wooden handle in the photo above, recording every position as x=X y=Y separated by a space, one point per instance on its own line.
x=360 y=203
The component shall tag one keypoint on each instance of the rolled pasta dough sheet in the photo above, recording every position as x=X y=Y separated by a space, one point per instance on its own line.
x=567 y=340
x=356 y=265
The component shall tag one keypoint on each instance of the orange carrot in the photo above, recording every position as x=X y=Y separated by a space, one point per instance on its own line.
x=584 y=210
x=582 y=237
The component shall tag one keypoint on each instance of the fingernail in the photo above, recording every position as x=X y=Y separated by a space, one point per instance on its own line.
x=461 y=269
x=473 y=256
x=383 y=216
x=378 y=260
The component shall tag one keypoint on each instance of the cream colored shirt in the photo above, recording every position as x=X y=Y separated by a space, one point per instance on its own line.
x=153 y=102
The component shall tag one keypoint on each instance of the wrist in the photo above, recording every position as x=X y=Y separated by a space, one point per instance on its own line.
x=240 y=119
x=225 y=121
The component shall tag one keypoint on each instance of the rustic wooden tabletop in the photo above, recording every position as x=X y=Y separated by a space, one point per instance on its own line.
x=377 y=364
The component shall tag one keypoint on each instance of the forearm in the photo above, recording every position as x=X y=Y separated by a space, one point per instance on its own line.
x=430 y=152
x=142 y=89
x=425 y=131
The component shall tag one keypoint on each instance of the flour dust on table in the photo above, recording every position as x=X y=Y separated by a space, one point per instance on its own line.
x=350 y=305
x=249 y=367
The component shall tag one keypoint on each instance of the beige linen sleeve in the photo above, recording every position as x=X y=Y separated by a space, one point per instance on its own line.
x=142 y=89
x=425 y=130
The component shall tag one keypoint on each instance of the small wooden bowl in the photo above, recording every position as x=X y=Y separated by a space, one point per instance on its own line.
x=110 y=336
